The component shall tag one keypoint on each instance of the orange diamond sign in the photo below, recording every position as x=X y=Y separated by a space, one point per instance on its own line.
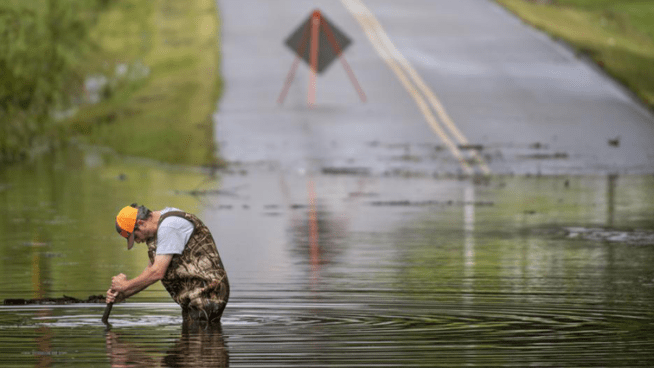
x=318 y=43
x=330 y=43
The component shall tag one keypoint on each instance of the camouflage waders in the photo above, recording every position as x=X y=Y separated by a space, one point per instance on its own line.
x=195 y=279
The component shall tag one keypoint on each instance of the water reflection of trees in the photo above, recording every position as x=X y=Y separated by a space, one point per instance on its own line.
x=55 y=221
x=197 y=347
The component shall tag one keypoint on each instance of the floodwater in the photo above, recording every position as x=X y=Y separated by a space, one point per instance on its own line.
x=335 y=268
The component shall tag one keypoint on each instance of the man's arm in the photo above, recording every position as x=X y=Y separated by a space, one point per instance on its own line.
x=149 y=276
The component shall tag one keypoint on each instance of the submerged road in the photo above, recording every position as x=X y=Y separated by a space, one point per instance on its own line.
x=452 y=87
x=440 y=77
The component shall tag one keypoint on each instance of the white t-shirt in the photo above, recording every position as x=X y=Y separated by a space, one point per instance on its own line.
x=173 y=233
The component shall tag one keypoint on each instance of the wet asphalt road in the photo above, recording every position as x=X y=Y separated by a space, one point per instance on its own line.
x=528 y=102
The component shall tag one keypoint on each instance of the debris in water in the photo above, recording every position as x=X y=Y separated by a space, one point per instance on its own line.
x=407 y=203
x=546 y=156
x=537 y=145
x=56 y=301
x=474 y=147
x=362 y=194
x=345 y=170
x=643 y=237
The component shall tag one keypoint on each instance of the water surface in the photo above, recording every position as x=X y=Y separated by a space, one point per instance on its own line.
x=335 y=270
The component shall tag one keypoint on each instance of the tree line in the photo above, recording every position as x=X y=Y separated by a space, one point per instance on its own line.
x=42 y=48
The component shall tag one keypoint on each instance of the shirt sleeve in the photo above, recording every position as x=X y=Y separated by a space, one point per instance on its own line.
x=173 y=234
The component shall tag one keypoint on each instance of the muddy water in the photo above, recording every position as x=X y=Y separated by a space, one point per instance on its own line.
x=332 y=269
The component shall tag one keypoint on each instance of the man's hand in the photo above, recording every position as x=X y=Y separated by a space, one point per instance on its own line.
x=121 y=288
x=113 y=296
x=119 y=283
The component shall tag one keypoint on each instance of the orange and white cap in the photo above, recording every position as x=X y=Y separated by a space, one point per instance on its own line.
x=125 y=223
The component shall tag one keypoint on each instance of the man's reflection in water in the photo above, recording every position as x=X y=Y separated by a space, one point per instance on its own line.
x=199 y=346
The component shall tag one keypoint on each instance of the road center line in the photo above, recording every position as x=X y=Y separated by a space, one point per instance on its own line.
x=400 y=65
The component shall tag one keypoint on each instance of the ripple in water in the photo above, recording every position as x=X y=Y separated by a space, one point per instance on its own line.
x=400 y=333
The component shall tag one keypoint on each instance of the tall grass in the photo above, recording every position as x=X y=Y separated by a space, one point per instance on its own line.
x=617 y=34
x=42 y=45
x=164 y=112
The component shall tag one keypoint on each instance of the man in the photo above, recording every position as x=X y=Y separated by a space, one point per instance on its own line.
x=183 y=256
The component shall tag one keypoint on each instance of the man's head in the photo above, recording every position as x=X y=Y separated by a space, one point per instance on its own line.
x=128 y=219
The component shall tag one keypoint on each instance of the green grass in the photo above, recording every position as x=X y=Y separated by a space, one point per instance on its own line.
x=616 y=34
x=165 y=115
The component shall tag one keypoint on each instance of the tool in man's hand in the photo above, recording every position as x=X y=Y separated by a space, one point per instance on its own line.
x=107 y=311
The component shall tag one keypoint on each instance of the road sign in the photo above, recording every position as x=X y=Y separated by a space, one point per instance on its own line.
x=318 y=42
x=331 y=41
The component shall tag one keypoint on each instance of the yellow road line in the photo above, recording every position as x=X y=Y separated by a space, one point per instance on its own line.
x=400 y=65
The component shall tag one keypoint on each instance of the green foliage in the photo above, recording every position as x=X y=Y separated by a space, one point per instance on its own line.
x=41 y=46
x=617 y=35
x=150 y=71
x=166 y=113
x=636 y=14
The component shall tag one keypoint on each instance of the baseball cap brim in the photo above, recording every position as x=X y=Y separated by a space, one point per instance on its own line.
x=130 y=241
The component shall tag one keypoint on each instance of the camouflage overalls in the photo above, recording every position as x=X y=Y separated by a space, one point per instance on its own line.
x=195 y=279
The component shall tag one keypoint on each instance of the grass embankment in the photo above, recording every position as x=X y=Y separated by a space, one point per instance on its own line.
x=161 y=59
x=617 y=34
